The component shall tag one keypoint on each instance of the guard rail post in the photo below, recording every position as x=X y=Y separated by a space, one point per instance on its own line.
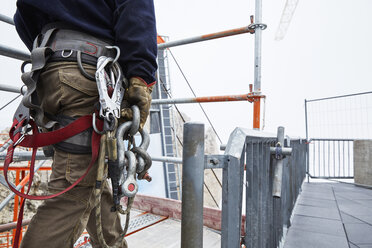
x=232 y=202
x=192 y=186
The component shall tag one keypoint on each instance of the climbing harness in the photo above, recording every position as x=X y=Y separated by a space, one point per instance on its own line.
x=122 y=166
x=35 y=140
x=56 y=44
x=107 y=139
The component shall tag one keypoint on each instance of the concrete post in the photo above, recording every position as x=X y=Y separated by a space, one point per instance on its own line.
x=363 y=162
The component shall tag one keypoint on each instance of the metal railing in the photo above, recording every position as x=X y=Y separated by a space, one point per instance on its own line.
x=267 y=217
x=331 y=158
x=271 y=189
x=336 y=122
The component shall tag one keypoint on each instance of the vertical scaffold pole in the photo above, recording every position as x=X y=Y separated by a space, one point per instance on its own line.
x=192 y=185
x=257 y=66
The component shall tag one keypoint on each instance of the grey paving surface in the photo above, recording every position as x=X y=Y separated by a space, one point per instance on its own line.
x=167 y=234
x=330 y=215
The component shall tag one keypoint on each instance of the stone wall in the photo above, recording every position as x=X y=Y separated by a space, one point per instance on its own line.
x=212 y=179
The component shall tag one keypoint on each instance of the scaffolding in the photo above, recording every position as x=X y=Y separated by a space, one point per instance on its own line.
x=162 y=106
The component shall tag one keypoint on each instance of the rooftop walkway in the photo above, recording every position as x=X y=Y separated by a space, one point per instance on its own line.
x=331 y=215
x=327 y=215
x=167 y=234
x=150 y=230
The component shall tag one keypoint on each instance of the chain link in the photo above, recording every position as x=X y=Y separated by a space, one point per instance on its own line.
x=134 y=160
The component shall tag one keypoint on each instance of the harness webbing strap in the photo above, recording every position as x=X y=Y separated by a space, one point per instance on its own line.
x=44 y=139
x=23 y=200
x=39 y=57
x=45 y=45
x=53 y=137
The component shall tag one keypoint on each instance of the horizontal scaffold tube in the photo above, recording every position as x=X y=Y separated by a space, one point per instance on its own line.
x=13 y=225
x=14 y=53
x=229 y=98
x=25 y=156
x=20 y=185
x=6 y=19
x=14 y=89
x=18 y=54
x=205 y=37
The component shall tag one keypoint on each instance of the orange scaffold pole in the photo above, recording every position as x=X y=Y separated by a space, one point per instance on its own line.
x=242 y=30
x=20 y=186
x=227 y=98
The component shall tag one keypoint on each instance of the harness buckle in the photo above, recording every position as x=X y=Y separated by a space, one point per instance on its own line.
x=68 y=55
x=117 y=52
x=19 y=140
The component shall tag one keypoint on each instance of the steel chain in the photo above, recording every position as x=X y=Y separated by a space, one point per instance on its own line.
x=123 y=165
x=134 y=160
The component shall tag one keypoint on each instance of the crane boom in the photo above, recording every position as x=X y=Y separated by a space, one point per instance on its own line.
x=285 y=20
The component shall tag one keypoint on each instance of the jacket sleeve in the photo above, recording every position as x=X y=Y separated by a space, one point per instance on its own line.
x=135 y=35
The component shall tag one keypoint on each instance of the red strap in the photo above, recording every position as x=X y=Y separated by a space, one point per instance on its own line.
x=19 y=225
x=21 y=209
x=45 y=139
x=56 y=136
x=95 y=150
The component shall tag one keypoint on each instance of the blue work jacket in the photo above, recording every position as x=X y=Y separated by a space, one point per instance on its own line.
x=130 y=24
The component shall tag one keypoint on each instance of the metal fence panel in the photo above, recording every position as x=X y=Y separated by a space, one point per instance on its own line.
x=267 y=217
x=331 y=158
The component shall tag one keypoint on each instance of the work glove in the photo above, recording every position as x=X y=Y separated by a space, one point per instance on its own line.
x=138 y=93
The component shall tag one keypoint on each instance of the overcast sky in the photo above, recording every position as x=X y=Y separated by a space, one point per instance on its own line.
x=327 y=51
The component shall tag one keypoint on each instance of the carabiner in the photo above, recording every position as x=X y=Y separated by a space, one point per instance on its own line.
x=117 y=52
x=95 y=127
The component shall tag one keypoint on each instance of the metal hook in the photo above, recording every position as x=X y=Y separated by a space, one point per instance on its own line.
x=95 y=127
x=81 y=67
x=117 y=52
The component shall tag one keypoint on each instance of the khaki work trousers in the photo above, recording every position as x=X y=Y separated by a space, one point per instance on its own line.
x=60 y=221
